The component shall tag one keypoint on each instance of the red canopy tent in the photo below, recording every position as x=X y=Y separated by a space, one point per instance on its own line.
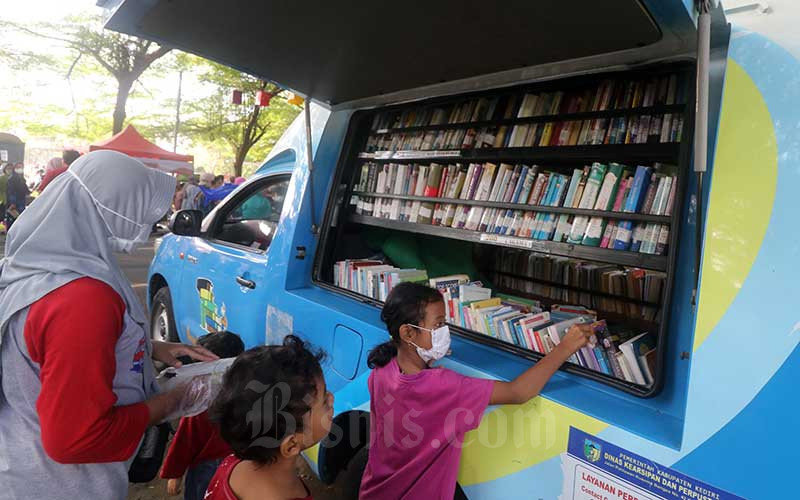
x=131 y=142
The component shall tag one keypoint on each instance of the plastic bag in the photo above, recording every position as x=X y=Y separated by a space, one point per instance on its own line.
x=200 y=383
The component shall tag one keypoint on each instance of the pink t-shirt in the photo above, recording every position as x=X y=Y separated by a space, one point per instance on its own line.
x=417 y=426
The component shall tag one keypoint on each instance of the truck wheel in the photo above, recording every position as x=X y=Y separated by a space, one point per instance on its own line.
x=162 y=321
x=348 y=481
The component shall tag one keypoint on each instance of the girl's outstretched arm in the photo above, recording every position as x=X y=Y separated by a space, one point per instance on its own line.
x=531 y=381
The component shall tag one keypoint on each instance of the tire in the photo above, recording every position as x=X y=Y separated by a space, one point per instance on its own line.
x=162 y=319
x=348 y=481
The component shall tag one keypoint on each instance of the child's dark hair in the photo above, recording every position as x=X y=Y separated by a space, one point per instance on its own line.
x=405 y=304
x=264 y=396
x=224 y=344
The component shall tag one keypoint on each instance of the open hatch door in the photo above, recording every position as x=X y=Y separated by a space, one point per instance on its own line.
x=352 y=52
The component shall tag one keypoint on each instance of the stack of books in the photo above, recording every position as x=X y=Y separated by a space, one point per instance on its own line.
x=521 y=322
x=613 y=187
x=373 y=278
x=526 y=324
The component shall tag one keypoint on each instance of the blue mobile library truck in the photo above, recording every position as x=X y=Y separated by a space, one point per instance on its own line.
x=502 y=144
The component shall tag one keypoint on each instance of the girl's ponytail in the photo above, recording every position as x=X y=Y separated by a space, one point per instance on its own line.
x=405 y=305
x=381 y=354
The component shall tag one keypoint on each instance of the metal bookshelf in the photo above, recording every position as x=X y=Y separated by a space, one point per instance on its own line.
x=588 y=115
x=661 y=219
x=623 y=258
x=666 y=152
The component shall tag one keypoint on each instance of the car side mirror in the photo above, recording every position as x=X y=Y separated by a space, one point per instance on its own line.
x=186 y=222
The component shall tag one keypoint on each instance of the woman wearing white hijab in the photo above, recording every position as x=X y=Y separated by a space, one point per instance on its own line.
x=77 y=388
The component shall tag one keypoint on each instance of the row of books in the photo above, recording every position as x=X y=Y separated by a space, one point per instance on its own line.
x=658 y=128
x=615 y=93
x=571 y=281
x=614 y=187
x=373 y=278
x=526 y=324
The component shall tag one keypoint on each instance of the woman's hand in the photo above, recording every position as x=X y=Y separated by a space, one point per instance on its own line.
x=174 y=487
x=168 y=352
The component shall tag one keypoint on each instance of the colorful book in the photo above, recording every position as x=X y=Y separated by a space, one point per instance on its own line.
x=588 y=199
x=563 y=226
x=482 y=194
x=432 y=191
x=605 y=201
x=632 y=349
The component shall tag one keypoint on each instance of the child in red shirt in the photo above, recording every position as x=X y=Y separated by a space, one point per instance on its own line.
x=197 y=445
x=273 y=404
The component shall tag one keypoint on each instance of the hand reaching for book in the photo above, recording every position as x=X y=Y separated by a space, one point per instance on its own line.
x=577 y=336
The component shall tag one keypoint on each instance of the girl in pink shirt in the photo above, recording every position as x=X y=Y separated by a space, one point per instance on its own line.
x=419 y=414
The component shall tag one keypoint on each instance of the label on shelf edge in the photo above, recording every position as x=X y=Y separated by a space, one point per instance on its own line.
x=366 y=155
x=513 y=242
x=401 y=155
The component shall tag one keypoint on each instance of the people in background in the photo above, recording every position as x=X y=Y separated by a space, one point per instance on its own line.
x=177 y=199
x=192 y=195
x=197 y=448
x=53 y=169
x=264 y=382
x=216 y=193
x=78 y=387
x=239 y=181
x=257 y=207
x=16 y=194
x=207 y=180
x=5 y=173
x=68 y=156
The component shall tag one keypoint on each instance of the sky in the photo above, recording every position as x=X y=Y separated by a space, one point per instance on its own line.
x=47 y=87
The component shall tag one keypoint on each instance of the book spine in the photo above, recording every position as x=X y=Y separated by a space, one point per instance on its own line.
x=562 y=227
x=431 y=191
x=607 y=234
x=548 y=224
x=650 y=238
x=663 y=240
x=636 y=238
x=549 y=193
x=605 y=200
x=602 y=361
x=588 y=199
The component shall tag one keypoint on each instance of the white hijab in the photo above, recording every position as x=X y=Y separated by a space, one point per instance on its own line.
x=67 y=232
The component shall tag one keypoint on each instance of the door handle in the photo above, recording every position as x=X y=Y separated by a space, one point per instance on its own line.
x=191 y=259
x=246 y=283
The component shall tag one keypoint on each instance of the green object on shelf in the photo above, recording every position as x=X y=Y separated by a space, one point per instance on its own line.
x=438 y=256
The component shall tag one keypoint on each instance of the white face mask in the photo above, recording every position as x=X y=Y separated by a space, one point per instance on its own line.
x=19 y=170
x=440 y=344
x=117 y=243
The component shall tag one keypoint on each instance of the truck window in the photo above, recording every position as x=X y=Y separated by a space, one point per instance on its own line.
x=253 y=219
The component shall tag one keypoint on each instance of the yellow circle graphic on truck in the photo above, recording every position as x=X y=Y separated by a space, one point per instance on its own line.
x=742 y=193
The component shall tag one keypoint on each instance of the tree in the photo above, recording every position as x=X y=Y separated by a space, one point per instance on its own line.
x=124 y=57
x=249 y=130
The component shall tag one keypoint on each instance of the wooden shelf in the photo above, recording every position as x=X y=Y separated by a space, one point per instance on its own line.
x=623 y=258
x=623 y=153
x=612 y=113
x=661 y=219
